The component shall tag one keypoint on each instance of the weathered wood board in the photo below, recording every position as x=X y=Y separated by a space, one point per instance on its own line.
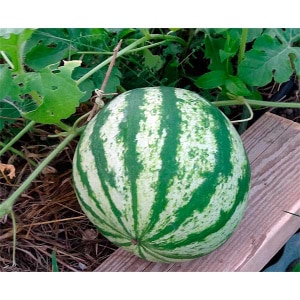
x=273 y=147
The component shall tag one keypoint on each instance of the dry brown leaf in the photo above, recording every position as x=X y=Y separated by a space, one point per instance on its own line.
x=89 y=234
x=10 y=168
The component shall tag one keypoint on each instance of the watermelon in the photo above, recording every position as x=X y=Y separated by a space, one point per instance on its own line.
x=162 y=173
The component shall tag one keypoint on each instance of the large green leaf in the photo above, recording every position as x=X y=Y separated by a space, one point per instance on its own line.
x=12 y=43
x=273 y=56
x=8 y=113
x=211 y=79
x=57 y=91
x=153 y=62
x=8 y=109
x=5 y=81
x=42 y=55
x=212 y=52
x=236 y=86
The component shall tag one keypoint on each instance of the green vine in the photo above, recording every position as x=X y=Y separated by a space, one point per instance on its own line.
x=131 y=47
x=240 y=101
x=241 y=53
x=28 y=127
x=7 y=206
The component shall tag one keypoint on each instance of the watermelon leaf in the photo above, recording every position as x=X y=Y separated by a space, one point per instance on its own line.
x=273 y=56
x=12 y=43
x=153 y=62
x=212 y=52
x=43 y=55
x=8 y=111
x=5 y=81
x=236 y=86
x=211 y=79
x=221 y=47
x=57 y=91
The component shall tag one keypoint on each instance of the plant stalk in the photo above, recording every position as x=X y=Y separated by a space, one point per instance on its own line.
x=17 y=137
x=97 y=106
x=108 y=60
x=8 y=61
x=63 y=126
x=243 y=45
x=257 y=103
x=7 y=205
x=19 y=153
x=130 y=51
x=125 y=51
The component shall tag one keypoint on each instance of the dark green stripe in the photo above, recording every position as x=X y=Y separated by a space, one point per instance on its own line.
x=105 y=176
x=147 y=253
x=128 y=132
x=86 y=207
x=85 y=181
x=243 y=187
x=168 y=170
x=101 y=221
x=165 y=257
x=202 y=196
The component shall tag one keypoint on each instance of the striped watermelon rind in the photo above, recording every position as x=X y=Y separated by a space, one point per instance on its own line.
x=162 y=173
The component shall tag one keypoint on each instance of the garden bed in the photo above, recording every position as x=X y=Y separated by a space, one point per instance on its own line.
x=52 y=231
x=50 y=220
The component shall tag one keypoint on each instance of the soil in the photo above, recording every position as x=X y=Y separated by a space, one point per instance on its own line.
x=50 y=222
x=49 y=218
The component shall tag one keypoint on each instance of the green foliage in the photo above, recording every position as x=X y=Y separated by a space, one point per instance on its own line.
x=151 y=61
x=274 y=55
x=37 y=84
x=40 y=68
x=241 y=60
x=12 y=42
x=57 y=93
x=222 y=47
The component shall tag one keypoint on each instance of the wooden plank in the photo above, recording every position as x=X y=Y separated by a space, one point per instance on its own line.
x=273 y=147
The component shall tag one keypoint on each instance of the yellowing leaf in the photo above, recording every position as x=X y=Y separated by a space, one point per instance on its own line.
x=10 y=168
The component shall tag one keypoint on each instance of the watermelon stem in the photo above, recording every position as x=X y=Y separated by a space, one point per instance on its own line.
x=7 y=206
x=17 y=137
x=17 y=152
x=129 y=51
x=243 y=42
x=256 y=103
x=250 y=111
x=8 y=61
x=126 y=50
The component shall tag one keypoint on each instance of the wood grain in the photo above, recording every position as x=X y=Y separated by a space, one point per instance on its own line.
x=273 y=147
